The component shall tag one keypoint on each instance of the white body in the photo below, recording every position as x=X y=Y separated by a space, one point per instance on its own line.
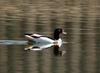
x=44 y=42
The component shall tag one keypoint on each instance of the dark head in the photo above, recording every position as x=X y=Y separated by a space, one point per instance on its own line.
x=57 y=33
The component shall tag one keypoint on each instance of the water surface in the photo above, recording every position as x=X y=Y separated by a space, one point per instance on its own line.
x=80 y=19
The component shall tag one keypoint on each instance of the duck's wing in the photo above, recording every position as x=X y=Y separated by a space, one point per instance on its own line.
x=32 y=36
x=38 y=35
x=35 y=36
x=39 y=38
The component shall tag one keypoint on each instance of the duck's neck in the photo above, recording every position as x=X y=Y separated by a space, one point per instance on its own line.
x=56 y=36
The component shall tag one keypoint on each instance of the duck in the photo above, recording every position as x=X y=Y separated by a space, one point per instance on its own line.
x=41 y=41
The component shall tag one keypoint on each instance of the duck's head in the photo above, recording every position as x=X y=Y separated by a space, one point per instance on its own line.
x=57 y=33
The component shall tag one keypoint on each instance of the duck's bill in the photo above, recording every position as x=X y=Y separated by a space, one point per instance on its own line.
x=64 y=32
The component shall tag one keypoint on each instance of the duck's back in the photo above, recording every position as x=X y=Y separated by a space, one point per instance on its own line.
x=42 y=39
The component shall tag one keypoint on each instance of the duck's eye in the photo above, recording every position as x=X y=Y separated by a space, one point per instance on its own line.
x=60 y=30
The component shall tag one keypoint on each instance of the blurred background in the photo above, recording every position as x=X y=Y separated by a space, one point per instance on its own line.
x=79 y=18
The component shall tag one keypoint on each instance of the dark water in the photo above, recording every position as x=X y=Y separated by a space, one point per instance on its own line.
x=79 y=18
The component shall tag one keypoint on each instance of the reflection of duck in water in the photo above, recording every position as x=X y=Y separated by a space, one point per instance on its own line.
x=39 y=42
x=58 y=51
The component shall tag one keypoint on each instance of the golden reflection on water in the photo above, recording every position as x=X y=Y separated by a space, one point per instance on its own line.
x=80 y=19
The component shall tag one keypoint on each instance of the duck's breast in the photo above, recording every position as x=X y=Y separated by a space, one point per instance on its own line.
x=59 y=42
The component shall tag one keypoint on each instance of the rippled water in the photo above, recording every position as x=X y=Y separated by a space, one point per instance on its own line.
x=79 y=18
